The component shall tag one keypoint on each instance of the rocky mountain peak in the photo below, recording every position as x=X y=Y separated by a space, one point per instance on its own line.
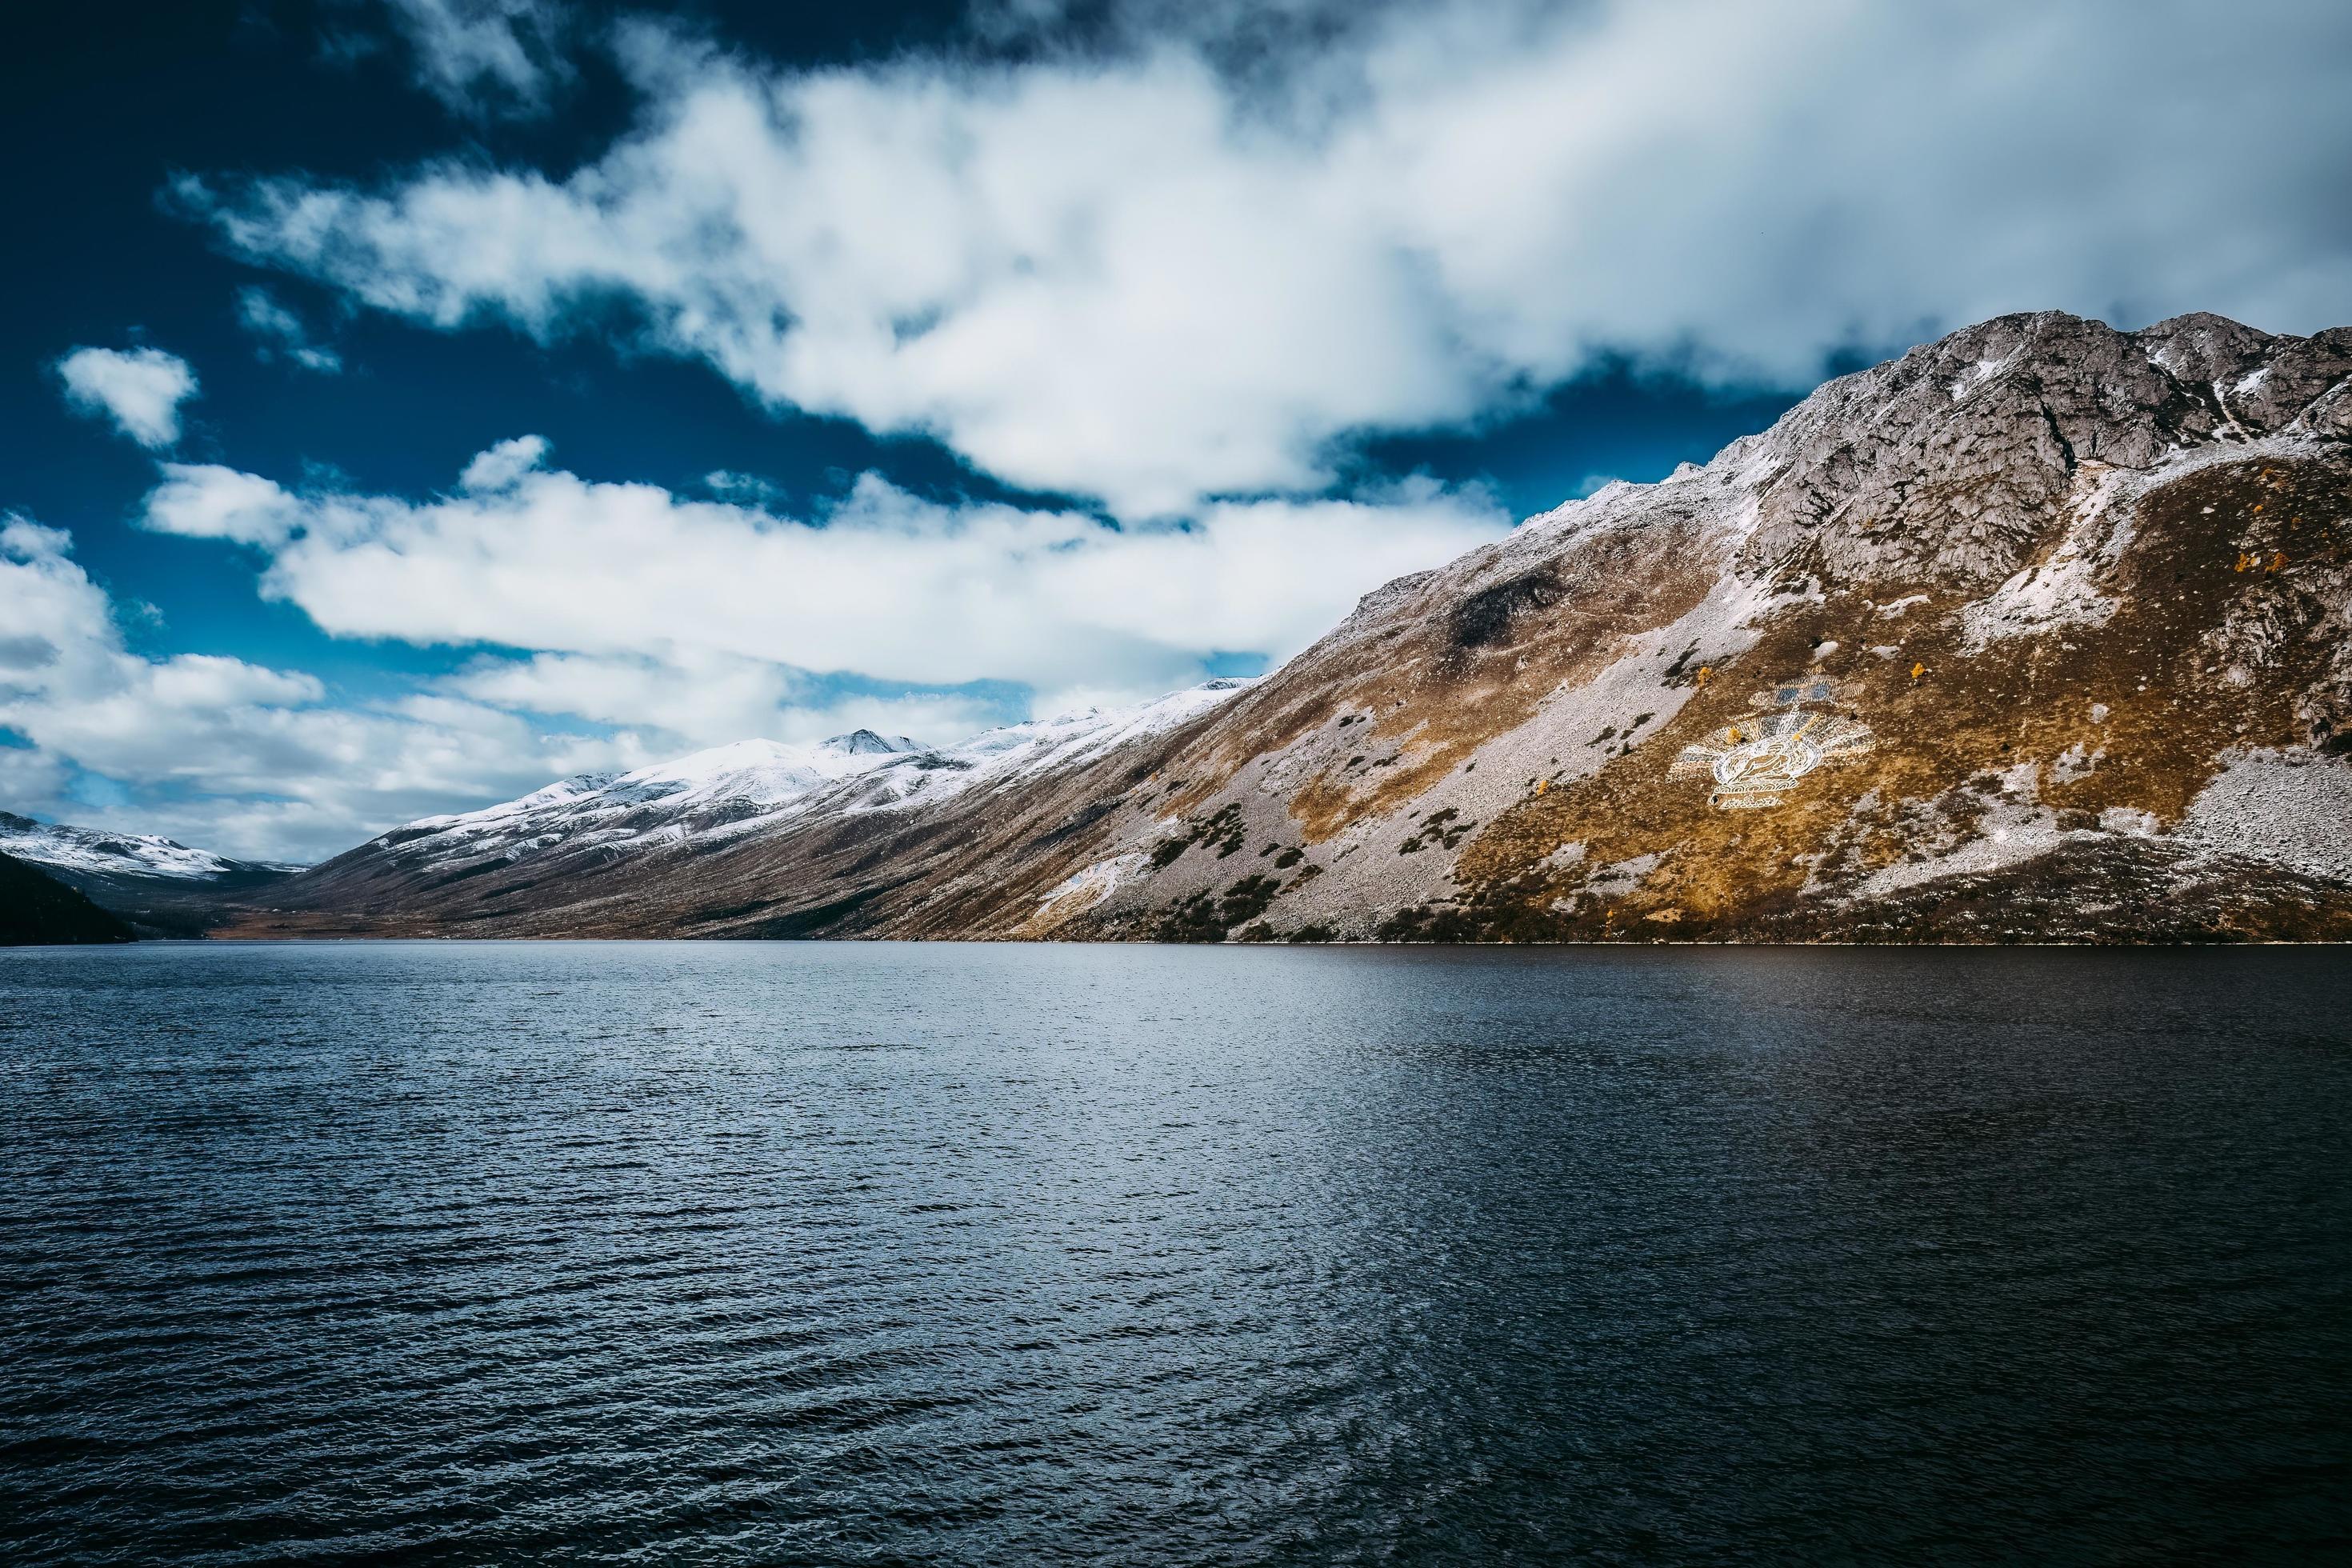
x=866 y=743
x=1956 y=461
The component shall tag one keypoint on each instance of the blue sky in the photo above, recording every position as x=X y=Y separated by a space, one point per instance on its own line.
x=405 y=402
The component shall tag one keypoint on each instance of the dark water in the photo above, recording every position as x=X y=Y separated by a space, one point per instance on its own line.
x=677 y=1254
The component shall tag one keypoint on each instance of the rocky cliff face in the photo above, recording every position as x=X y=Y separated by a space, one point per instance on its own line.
x=2042 y=631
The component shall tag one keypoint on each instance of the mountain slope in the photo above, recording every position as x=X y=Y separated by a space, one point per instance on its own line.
x=591 y=821
x=163 y=888
x=2042 y=631
x=680 y=846
x=35 y=908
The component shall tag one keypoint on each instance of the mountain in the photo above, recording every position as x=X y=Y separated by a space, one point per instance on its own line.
x=36 y=908
x=2039 y=632
x=163 y=888
x=688 y=845
x=579 y=826
x=727 y=789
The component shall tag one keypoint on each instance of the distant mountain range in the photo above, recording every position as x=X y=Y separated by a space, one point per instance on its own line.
x=160 y=887
x=593 y=855
x=2039 y=632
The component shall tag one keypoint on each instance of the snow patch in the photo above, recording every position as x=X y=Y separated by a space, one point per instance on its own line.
x=1561 y=858
x=1984 y=370
x=2076 y=761
x=117 y=854
x=1082 y=891
x=2062 y=589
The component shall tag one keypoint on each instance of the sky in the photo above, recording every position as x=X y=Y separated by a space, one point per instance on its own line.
x=405 y=403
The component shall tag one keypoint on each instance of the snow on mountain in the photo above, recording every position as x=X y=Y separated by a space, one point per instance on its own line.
x=996 y=757
x=729 y=793
x=866 y=743
x=89 y=851
x=160 y=887
x=1086 y=734
x=762 y=772
x=724 y=784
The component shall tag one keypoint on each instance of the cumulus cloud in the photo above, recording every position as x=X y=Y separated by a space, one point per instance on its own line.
x=502 y=464
x=139 y=389
x=29 y=776
x=281 y=332
x=1140 y=276
x=660 y=622
x=232 y=756
x=209 y=500
x=885 y=584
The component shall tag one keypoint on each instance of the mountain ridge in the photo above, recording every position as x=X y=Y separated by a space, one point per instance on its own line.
x=703 y=803
x=2037 y=632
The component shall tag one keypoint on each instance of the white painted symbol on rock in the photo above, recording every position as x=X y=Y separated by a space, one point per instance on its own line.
x=1755 y=762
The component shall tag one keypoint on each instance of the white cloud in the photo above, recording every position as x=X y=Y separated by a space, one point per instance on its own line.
x=207 y=500
x=260 y=312
x=886 y=584
x=484 y=56
x=675 y=623
x=701 y=696
x=747 y=489
x=29 y=776
x=232 y=756
x=1146 y=278
x=707 y=699
x=502 y=464
x=139 y=389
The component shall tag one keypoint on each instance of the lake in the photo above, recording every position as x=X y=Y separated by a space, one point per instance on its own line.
x=690 y=1253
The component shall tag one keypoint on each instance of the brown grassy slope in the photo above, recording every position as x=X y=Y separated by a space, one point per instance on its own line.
x=2161 y=669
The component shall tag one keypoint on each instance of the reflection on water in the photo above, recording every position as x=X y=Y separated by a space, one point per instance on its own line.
x=698 y=1253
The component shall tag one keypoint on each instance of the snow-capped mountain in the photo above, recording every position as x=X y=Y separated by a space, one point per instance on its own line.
x=1040 y=748
x=2041 y=631
x=92 y=850
x=737 y=785
x=162 y=887
x=728 y=795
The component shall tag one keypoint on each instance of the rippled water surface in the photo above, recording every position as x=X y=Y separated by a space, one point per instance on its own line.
x=678 y=1252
